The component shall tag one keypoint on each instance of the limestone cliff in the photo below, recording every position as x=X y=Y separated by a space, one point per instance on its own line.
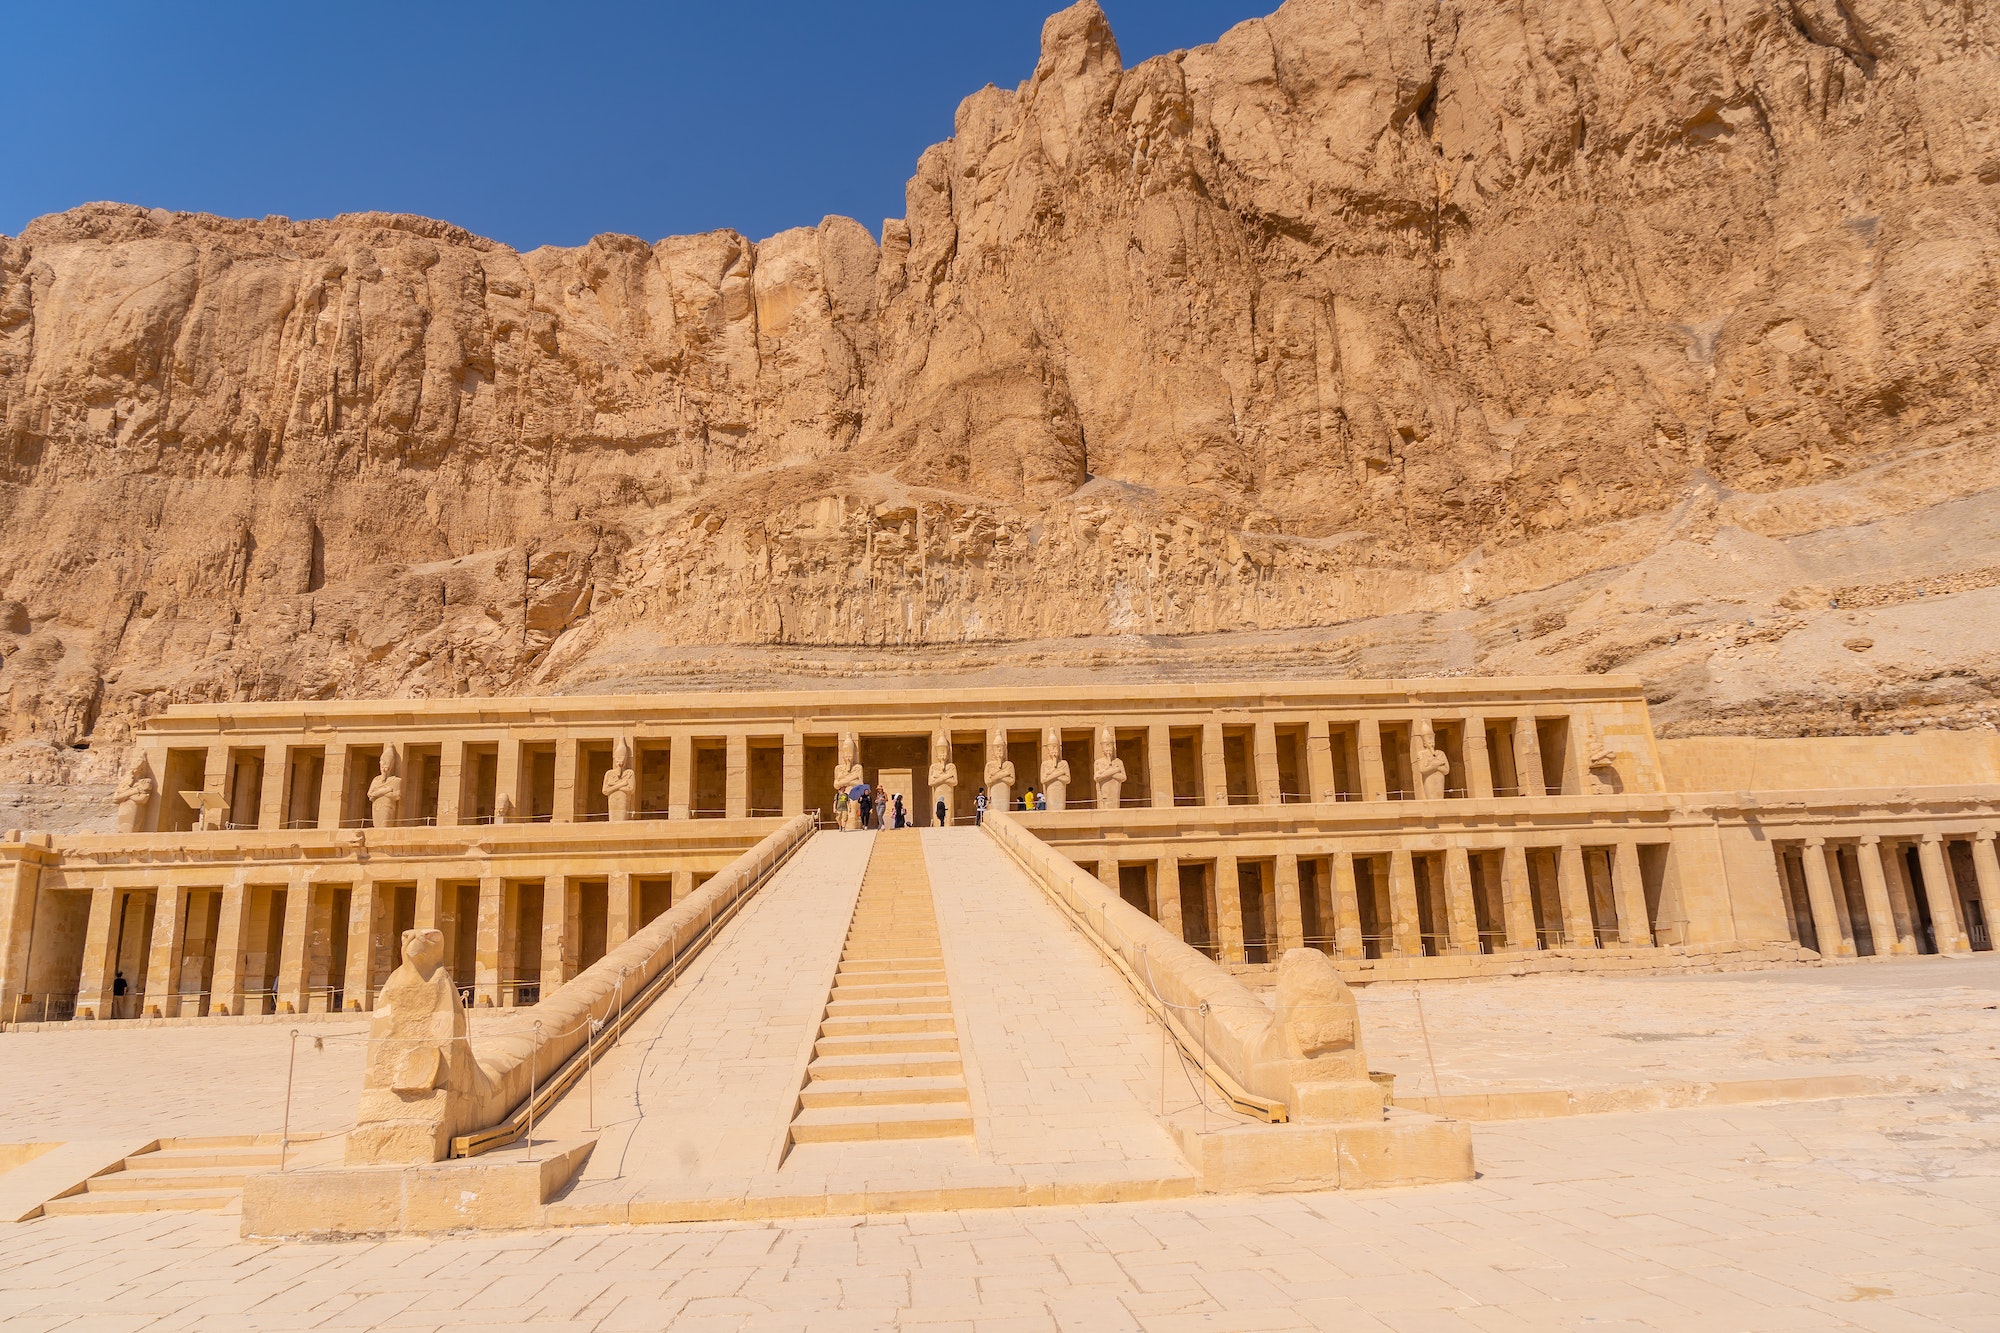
x=1380 y=336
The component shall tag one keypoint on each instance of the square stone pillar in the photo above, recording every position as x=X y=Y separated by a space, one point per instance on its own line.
x=1347 y=941
x=225 y=988
x=1405 y=925
x=1819 y=892
x=736 y=776
x=1517 y=900
x=565 y=805
x=1579 y=932
x=451 y=783
x=619 y=908
x=1902 y=891
x=163 y=957
x=1291 y=919
x=215 y=778
x=20 y=887
x=1374 y=780
x=430 y=911
x=1214 y=772
x=556 y=890
x=486 y=964
x=1167 y=882
x=364 y=925
x=1889 y=934
x=683 y=886
x=1478 y=762
x=1228 y=909
x=1628 y=888
x=1528 y=756
x=1160 y=766
x=271 y=800
x=1837 y=883
x=295 y=943
x=508 y=781
x=1464 y=919
x=100 y=963
x=1264 y=753
x=1319 y=762
x=795 y=774
x=1942 y=897
x=1986 y=867
x=680 y=776
x=319 y=951
x=333 y=785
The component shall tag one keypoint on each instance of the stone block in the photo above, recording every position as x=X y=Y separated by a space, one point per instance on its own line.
x=495 y=1192
x=1405 y=1150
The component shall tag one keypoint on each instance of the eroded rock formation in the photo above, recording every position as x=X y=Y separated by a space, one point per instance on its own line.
x=1386 y=335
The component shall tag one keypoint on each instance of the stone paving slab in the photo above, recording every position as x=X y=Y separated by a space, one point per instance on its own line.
x=1880 y=1214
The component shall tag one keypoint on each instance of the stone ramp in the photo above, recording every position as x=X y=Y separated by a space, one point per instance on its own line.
x=1013 y=1023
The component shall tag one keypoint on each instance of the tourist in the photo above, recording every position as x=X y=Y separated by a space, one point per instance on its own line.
x=1028 y=799
x=118 y=989
x=867 y=807
x=941 y=819
x=979 y=808
x=899 y=810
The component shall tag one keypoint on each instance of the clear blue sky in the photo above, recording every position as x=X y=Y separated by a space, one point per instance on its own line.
x=531 y=123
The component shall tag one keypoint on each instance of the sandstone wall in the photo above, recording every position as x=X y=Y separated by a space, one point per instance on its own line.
x=1392 y=335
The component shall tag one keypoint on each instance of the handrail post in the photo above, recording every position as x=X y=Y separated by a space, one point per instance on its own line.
x=285 y=1134
x=533 y=1052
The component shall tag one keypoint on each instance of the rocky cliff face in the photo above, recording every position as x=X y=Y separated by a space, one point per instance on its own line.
x=1406 y=336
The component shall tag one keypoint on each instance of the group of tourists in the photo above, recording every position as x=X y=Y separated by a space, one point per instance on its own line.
x=880 y=809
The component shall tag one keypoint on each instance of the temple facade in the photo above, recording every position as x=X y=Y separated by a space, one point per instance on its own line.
x=270 y=855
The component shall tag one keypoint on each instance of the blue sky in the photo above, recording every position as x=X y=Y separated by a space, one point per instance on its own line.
x=531 y=123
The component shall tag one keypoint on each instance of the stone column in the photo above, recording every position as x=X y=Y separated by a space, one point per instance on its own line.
x=1628 y=888
x=163 y=957
x=1579 y=932
x=486 y=948
x=429 y=914
x=451 y=788
x=1264 y=751
x=680 y=776
x=364 y=923
x=294 y=971
x=1347 y=940
x=1167 y=882
x=1902 y=892
x=1291 y=920
x=1374 y=781
x=1464 y=919
x=225 y=986
x=1478 y=762
x=1941 y=896
x=1319 y=763
x=683 y=886
x=509 y=784
x=1214 y=773
x=319 y=951
x=795 y=774
x=1528 y=756
x=333 y=785
x=1819 y=892
x=736 y=775
x=565 y=804
x=100 y=963
x=1890 y=938
x=1986 y=866
x=619 y=907
x=556 y=890
x=215 y=780
x=1160 y=765
x=271 y=800
x=1228 y=909
x=20 y=886
x=1405 y=925
x=1837 y=885
x=1517 y=901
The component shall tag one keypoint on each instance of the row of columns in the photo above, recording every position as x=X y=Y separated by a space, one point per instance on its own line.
x=1894 y=930
x=1578 y=927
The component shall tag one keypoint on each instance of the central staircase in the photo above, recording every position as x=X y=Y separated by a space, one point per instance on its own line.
x=885 y=1063
x=176 y=1175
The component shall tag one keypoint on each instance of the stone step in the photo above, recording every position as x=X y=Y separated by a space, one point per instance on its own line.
x=229 y=1141
x=884 y=1024
x=853 y=1124
x=132 y=1180
x=883 y=1091
x=187 y=1157
x=930 y=963
x=892 y=1043
x=918 y=1064
x=839 y=1007
x=159 y=1201
x=911 y=990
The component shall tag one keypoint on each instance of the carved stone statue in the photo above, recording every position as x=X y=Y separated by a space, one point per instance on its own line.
x=847 y=774
x=503 y=809
x=944 y=773
x=419 y=1064
x=1314 y=1043
x=1109 y=770
x=620 y=782
x=1055 y=769
x=1598 y=757
x=999 y=770
x=1431 y=764
x=385 y=793
x=135 y=791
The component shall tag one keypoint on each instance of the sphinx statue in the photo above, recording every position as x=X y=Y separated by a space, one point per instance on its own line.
x=1313 y=1044
x=1108 y=771
x=134 y=793
x=620 y=782
x=420 y=1076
